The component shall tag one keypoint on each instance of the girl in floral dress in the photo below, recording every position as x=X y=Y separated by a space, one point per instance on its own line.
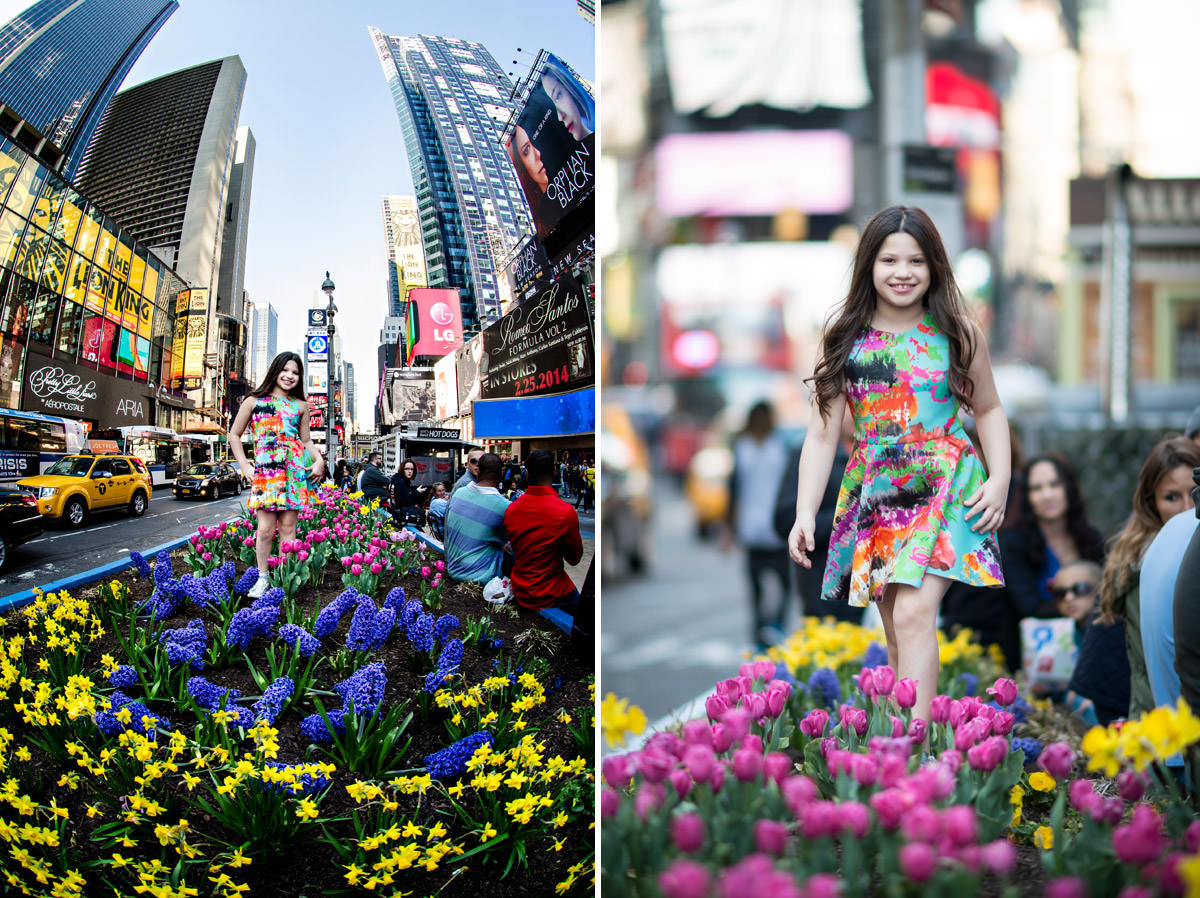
x=277 y=415
x=917 y=509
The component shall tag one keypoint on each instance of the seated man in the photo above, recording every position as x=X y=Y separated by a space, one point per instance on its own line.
x=475 y=536
x=373 y=482
x=545 y=533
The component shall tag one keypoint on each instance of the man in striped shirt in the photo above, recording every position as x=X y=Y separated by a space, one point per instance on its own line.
x=475 y=535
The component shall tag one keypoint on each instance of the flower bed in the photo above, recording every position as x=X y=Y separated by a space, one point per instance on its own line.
x=365 y=725
x=809 y=778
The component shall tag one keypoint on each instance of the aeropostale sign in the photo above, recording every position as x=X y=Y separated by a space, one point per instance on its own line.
x=56 y=387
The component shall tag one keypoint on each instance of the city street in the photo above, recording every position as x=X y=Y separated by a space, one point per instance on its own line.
x=670 y=634
x=107 y=536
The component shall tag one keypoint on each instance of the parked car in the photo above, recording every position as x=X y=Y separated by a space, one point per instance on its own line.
x=210 y=480
x=78 y=484
x=20 y=520
x=246 y=484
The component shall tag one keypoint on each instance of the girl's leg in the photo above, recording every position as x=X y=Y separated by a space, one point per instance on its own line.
x=287 y=525
x=267 y=521
x=914 y=622
x=887 y=607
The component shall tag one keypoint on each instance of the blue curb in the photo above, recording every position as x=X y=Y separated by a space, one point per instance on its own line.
x=425 y=538
x=92 y=576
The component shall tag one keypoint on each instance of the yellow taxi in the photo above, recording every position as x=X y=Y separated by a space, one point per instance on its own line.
x=77 y=484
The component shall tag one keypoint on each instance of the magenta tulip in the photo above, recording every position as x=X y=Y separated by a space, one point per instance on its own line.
x=616 y=771
x=917 y=730
x=798 y=791
x=1003 y=723
x=355 y=569
x=697 y=732
x=776 y=767
x=771 y=837
x=939 y=709
x=700 y=762
x=864 y=769
x=857 y=718
x=1057 y=759
x=755 y=704
x=1131 y=785
x=1000 y=856
x=738 y=721
x=715 y=707
x=917 y=861
x=681 y=780
x=958 y=824
x=905 y=692
x=988 y=754
x=885 y=680
x=610 y=802
x=1066 y=887
x=921 y=824
x=685 y=879
x=823 y=885
x=866 y=681
x=687 y=832
x=747 y=764
x=854 y=818
x=814 y=723
x=820 y=819
x=649 y=799
x=1004 y=691
x=722 y=738
x=889 y=806
x=654 y=764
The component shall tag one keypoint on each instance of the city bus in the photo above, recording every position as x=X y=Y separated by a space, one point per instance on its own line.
x=165 y=452
x=30 y=442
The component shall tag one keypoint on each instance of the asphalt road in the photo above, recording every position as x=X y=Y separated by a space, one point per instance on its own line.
x=107 y=536
x=671 y=634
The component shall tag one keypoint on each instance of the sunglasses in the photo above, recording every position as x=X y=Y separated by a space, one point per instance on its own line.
x=1082 y=589
x=472 y=461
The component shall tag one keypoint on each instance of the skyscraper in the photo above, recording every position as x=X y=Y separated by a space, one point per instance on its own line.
x=264 y=340
x=452 y=99
x=350 y=390
x=405 y=251
x=61 y=62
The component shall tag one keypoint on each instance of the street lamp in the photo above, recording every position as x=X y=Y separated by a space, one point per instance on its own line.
x=330 y=311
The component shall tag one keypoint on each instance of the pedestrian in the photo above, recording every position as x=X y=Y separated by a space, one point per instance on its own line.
x=277 y=415
x=544 y=532
x=372 y=482
x=917 y=508
x=563 y=490
x=468 y=476
x=475 y=535
x=759 y=457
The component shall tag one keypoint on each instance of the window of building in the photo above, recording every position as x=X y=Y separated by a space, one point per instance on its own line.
x=12 y=351
x=70 y=323
x=1187 y=339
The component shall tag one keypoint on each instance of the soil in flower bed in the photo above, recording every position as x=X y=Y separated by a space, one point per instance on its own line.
x=315 y=868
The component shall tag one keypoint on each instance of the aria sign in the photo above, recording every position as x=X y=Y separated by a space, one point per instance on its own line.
x=55 y=387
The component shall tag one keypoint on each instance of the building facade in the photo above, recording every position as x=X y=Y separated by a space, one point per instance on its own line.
x=61 y=62
x=405 y=251
x=264 y=340
x=162 y=163
x=453 y=101
x=87 y=311
x=232 y=305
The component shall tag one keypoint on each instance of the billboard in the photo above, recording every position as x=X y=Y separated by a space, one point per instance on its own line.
x=317 y=347
x=413 y=396
x=434 y=322
x=471 y=369
x=190 y=338
x=445 y=380
x=552 y=145
x=543 y=346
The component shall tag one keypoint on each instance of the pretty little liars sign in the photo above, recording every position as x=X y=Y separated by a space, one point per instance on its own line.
x=542 y=346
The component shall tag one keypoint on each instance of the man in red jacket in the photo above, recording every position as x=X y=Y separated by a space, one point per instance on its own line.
x=544 y=532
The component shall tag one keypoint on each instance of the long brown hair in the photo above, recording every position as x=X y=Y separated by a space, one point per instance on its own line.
x=943 y=299
x=277 y=364
x=1143 y=524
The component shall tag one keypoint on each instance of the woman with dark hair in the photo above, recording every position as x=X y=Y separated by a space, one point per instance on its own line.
x=1051 y=530
x=277 y=415
x=531 y=171
x=407 y=498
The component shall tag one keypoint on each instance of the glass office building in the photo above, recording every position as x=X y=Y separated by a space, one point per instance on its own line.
x=453 y=100
x=61 y=62
x=87 y=312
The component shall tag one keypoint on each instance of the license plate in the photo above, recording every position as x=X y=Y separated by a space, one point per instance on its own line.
x=184 y=489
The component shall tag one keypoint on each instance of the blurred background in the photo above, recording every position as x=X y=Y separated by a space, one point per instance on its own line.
x=1054 y=143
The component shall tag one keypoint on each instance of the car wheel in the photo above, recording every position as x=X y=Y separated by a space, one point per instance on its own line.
x=237 y=490
x=137 y=505
x=74 y=512
x=3 y=552
x=211 y=494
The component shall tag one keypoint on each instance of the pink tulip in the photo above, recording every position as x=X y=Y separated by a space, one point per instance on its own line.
x=814 y=723
x=1004 y=691
x=856 y=718
x=988 y=754
x=917 y=730
x=610 y=803
x=958 y=713
x=1132 y=785
x=616 y=771
x=906 y=692
x=1083 y=797
x=897 y=723
x=854 y=818
x=958 y=824
x=358 y=557
x=649 y=799
x=697 y=732
x=1056 y=759
x=346 y=561
x=1135 y=892
x=439 y=566
x=921 y=824
x=376 y=567
x=953 y=759
x=356 y=569
x=436 y=581
x=885 y=680
x=1066 y=887
x=798 y=791
x=866 y=681
x=722 y=738
x=966 y=735
x=820 y=819
x=917 y=861
x=717 y=778
x=738 y=721
x=753 y=742
x=776 y=766
x=755 y=705
x=823 y=885
x=687 y=832
x=747 y=764
x=762 y=669
x=889 y=806
x=425 y=572
x=654 y=764
x=685 y=879
x=1172 y=881
x=1003 y=723
x=892 y=769
x=302 y=555
x=771 y=837
x=777 y=695
x=715 y=707
x=207 y=556
x=864 y=769
x=1000 y=856
x=273 y=561
x=700 y=761
x=1141 y=840
x=939 y=709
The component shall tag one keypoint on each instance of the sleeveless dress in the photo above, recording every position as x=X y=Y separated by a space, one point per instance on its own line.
x=280 y=475
x=900 y=509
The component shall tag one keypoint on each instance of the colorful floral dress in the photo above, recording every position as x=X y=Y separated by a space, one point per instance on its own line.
x=901 y=508
x=280 y=475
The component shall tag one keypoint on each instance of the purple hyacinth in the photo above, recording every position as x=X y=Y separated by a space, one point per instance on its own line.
x=412 y=610
x=247 y=623
x=164 y=601
x=162 y=568
x=123 y=677
x=229 y=572
x=309 y=783
x=246 y=581
x=217 y=587
x=332 y=614
x=110 y=724
x=395 y=599
x=315 y=730
x=272 y=699
x=300 y=639
x=451 y=656
x=876 y=655
x=444 y=627
x=195 y=589
x=210 y=696
x=272 y=598
x=452 y=760
x=824 y=686
x=420 y=632
x=370 y=628
x=186 y=645
x=141 y=565
x=364 y=689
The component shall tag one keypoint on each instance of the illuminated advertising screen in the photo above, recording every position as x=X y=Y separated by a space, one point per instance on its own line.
x=434 y=322
x=190 y=338
x=413 y=396
x=543 y=346
x=552 y=145
x=445 y=379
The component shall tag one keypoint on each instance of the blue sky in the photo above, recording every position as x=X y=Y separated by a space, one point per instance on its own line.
x=328 y=141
